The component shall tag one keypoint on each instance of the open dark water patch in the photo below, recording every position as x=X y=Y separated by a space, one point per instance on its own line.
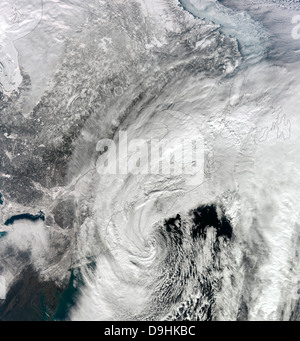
x=207 y=216
x=30 y=299
x=26 y=216
x=69 y=297
x=3 y=234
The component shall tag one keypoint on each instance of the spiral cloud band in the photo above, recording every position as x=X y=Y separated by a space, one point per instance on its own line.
x=150 y=161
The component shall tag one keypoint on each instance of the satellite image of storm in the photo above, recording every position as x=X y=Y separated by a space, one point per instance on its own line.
x=150 y=160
